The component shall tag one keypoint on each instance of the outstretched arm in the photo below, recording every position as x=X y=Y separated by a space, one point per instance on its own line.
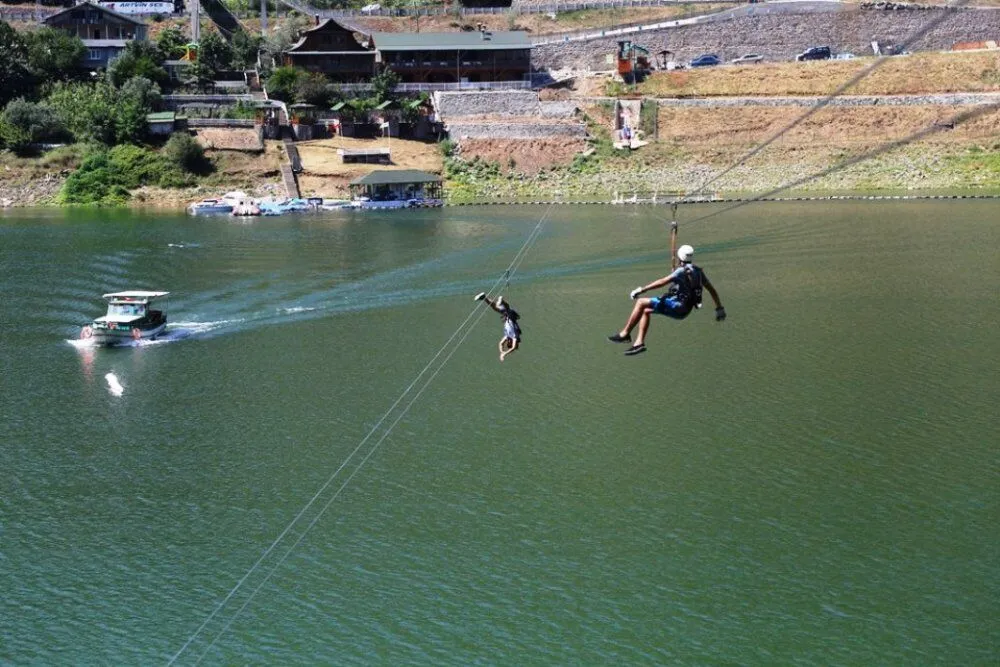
x=666 y=280
x=715 y=295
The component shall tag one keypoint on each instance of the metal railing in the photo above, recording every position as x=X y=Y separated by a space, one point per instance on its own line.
x=549 y=8
x=220 y=122
x=431 y=87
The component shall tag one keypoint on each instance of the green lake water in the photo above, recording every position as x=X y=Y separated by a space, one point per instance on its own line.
x=813 y=481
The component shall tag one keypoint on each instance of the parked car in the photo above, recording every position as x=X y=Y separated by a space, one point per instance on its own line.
x=814 y=53
x=844 y=56
x=707 y=60
x=748 y=58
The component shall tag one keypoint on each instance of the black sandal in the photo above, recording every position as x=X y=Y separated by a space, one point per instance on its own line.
x=616 y=338
x=635 y=349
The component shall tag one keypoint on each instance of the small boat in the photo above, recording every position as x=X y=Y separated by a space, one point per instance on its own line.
x=211 y=207
x=129 y=318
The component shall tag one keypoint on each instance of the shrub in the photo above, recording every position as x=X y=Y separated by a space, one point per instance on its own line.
x=186 y=154
x=447 y=147
x=26 y=123
x=282 y=83
x=106 y=176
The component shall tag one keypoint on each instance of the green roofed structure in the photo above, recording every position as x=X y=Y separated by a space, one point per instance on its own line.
x=397 y=185
x=347 y=56
x=455 y=57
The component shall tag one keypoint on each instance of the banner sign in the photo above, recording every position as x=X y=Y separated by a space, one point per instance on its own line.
x=139 y=7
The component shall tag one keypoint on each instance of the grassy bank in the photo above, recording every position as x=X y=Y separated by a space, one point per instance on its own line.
x=923 y=73
x=696 y=144
x=40 y=181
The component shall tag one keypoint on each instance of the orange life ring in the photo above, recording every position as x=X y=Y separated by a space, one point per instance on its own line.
x=86 y=332
x=136 y=333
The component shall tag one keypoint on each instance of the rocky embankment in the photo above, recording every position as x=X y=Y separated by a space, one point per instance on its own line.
x=782 y=36
x=34 y=192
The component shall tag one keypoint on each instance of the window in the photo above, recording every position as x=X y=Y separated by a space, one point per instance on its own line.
x=93 y=54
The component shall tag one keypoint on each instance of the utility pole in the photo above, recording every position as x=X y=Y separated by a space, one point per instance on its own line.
x=195 y=20
x=263 y=18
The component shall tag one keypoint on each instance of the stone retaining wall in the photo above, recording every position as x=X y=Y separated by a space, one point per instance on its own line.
x=482 y=103
x=500 y=130
x=782 y=36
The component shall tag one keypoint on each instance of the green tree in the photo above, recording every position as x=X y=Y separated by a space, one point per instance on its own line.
x=15 y=79
x=27 y=123
x=215 y=52
x=98 y=112
x=286 y=34
x=138 y=59
x=245 y=48
x=312 y=88
x=383 y=84
x=172 y=42
x=199 y=75
x=54 y=55
x=282 y=83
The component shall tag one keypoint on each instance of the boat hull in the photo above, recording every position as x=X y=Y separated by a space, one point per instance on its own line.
x=125 y=335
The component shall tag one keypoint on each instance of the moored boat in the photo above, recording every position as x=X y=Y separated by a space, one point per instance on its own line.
x=130 y=317
x=211 y=207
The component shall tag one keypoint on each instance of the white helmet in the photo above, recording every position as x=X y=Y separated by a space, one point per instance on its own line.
x=685 y=253
x=499 y=300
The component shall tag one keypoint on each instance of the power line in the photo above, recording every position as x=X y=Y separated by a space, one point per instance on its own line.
x=847 y=85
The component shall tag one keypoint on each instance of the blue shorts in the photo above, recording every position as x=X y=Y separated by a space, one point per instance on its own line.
x=670 y=307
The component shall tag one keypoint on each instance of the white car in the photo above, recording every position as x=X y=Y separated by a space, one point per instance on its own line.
x=844 y=56
x=748 y=58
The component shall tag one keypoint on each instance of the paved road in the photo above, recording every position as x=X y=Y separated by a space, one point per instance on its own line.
x=776 y=7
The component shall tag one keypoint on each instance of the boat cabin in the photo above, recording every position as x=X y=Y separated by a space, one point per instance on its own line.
x=397 y=185
x=131 y=306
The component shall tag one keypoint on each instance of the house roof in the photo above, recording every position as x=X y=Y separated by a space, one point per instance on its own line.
x=392 y=177
x=161 y=117
x=48 y=19
x=450 y=41
x=322 y=26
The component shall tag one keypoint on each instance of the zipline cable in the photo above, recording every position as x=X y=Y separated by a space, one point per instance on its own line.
x=511 y=268
x=482 y=312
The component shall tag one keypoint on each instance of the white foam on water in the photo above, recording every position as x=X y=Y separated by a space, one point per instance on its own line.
x=114 y=386
x=298 y=309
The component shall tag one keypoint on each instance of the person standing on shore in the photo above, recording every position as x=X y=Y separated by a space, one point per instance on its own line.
x=511 y=338
x=683 y=295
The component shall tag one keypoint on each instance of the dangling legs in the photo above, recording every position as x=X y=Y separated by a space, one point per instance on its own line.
x=640 y=340
x=641 y=305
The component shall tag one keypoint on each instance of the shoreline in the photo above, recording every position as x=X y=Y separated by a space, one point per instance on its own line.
x=680 y=200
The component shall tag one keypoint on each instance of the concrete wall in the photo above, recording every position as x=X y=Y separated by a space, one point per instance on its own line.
x=501 y=130
x=782 y=36
x=485 y=103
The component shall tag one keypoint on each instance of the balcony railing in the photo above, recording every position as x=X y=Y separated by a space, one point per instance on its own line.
x=430 y=87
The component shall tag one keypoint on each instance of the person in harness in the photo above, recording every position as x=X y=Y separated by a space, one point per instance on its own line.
x=684 y=288
x=511 y=338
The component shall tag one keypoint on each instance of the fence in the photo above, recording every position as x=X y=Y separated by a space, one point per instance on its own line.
x=431 y=87
x=553 y=8
x=220 y=122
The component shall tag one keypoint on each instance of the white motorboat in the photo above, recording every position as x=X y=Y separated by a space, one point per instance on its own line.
x=129 y=318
